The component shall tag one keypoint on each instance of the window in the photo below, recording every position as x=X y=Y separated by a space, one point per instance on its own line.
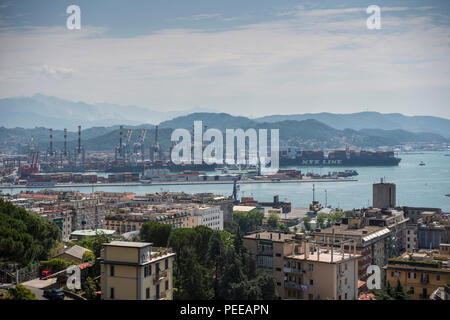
x=166 y=285
x=311 y=267
x=111 y=271
x=311 y=282
x=278 y=254
x=166 y=264
x=111 y=293
x=147 y=293
x=438 y=277
x=345 y=266
x=346 y=296
x=411 y=290
x=147 y=271
x=278 y=269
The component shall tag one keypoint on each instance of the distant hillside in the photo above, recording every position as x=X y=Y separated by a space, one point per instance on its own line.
x=52 y=112
x=372 y=120
x=305 y=133
x=403 y=136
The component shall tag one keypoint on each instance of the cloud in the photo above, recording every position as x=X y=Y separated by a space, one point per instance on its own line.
x=54 y=72
x=199 y=17
x=287 y=66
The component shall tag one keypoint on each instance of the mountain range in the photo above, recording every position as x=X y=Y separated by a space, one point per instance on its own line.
x=25 y=117
x=372 y=120
x=52 y=112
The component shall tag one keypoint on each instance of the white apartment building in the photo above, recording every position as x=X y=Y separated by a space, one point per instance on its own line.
x=209 y=216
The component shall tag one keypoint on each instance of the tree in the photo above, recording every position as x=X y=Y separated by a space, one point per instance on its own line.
x=24 y=236
x=307 y=223
x=272 y=221
x=89 y=288
x=95 y=244
x=157 y=233
x=390 y=293
x=20 y=292
x=321 y=218
x=56 y=264
x=247 y=221
x=88 y=256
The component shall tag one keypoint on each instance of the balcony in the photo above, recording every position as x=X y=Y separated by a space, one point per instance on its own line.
x=265 y=253
x=425 y=280
x=292 y=270
x=159 y=276
x=161 y=296
x=291 y=285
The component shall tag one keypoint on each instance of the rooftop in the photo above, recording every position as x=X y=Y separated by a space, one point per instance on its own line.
x=92 y=233
x=343 y=229
x=128 y=244
x=324 y=256
x=276 y=236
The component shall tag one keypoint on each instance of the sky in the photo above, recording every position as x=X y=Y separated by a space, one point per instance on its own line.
x=246 y=57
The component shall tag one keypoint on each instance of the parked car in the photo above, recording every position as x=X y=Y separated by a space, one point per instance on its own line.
x=45 y=274
x=54 y=294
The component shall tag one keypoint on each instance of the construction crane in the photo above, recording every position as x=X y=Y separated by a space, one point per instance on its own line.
x=127 y=145
x=155 y=150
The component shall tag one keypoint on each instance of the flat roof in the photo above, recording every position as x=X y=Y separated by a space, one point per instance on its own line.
x=345 y=230
x=243 y=208
x=92 y=233
x=324 y=256
x=128 y=244
x=266 y=236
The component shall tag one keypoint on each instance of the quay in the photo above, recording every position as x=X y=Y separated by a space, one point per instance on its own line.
x=162 y=183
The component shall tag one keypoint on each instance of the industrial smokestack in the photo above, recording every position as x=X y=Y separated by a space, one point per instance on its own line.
x=79 y=139
x=120 y=141
x=51 y=142
x=65 y=142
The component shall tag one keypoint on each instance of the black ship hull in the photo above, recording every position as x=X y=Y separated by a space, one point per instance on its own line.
x=352 y=162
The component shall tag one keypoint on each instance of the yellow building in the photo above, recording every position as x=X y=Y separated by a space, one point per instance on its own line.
x=420 y=273
x=315 y=272
x=136 y=271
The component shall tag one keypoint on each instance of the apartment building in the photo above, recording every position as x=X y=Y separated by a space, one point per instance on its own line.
x=420 y=273
x=316 y=272
x=209 y=216
x=270 y=249
x=373 y=243
x=123 y=223
x=87 y=213
x=136 y=271
x=63 y=220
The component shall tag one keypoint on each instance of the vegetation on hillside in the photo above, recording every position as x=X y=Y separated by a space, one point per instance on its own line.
x=24 y=236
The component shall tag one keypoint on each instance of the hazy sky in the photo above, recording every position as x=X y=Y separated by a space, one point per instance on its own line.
x=249 y=57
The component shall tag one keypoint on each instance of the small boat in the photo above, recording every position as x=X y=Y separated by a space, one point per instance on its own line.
x=421 y=163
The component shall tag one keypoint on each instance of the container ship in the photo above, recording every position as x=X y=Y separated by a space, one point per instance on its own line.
x=291 y=157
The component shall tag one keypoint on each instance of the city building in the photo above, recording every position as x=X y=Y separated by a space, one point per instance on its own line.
x=63 y=220
x=270 y=249
x=373 y=243
x=136 y=271
x=420 y=273
x=317 y=272
x=74 y=253
x=209 y=216
x=384 y=195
